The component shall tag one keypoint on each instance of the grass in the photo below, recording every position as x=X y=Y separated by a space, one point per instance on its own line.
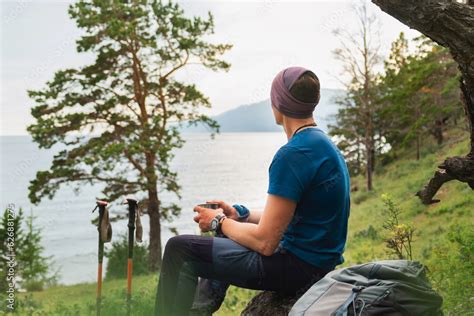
x=79 y=299
x=402 y=180
x=443 y=241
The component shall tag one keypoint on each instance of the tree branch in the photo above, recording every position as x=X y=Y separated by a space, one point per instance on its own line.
x=176 y=67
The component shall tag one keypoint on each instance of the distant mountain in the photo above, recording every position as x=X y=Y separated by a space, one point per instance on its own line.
x=258 y=117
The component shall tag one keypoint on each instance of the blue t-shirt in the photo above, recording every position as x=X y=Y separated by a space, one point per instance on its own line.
x=310 y=170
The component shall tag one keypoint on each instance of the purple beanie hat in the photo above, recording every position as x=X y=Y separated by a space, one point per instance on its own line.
x=281 y=98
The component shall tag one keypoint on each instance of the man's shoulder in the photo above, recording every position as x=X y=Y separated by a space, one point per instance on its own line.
x=313 y=146
x=290 y=151
x=288 y=155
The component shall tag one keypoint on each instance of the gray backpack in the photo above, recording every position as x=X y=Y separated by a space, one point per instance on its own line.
x=390 y=287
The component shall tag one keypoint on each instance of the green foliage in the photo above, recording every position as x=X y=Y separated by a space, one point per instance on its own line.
x=419 y=93
x=117 y=257
x=355 y=126
x=452 y=270
x=416 y=96
x=400 y=236
x=11 y=241
x=125 y=101
x=236 y=300
x=32 y=269
x=360 y=196
x=128 y=96
x=27 y=305
x=33 y=265
x=370 y=233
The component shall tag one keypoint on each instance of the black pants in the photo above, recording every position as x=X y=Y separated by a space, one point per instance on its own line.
x=220 y=262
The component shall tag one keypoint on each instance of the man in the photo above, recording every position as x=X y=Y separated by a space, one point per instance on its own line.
x=294 y=242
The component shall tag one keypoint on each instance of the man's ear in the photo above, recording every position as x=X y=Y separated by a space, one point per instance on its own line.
x=277 y=115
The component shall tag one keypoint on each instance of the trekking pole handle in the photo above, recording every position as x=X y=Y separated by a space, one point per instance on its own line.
x=100 y=204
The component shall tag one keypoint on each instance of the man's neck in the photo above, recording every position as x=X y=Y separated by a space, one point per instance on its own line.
x=290 y=125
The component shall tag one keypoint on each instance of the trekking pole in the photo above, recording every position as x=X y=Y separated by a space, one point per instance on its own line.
x=101 y=205
x=132 y=205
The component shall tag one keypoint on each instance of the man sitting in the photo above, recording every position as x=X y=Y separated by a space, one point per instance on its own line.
x=298 y=238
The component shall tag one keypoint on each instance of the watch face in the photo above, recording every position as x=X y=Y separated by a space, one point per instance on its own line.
x=214 y=224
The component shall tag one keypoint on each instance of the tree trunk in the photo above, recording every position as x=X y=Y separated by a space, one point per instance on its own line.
x=359 y=159
x=418 y=132
x=372 y=166
x=369 y=153
x=154 y=259
x=369 y=169
x=450 y=24
x=417 y=146
x=438 y=131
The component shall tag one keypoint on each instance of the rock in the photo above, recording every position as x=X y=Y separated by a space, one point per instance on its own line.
x=269 y=303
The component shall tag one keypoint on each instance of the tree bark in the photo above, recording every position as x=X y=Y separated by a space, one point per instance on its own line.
x=154 y=259
x=418 y=132
x=268 y=303
x=368 y=151
x=450 y=24
x=438 y=131
x=154 y=254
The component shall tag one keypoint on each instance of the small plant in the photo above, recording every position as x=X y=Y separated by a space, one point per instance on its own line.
x=11 y=238
x=35 y=268
x=400 y=235
x=118 y=255
x=32 y=269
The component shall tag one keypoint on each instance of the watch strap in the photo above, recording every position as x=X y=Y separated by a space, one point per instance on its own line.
x=220 y=219
x=243 y=212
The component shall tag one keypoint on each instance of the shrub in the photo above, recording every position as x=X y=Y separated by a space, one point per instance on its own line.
x=118 y=255
x=452 y=271
x=20 y=236
x=361 y=196
x=370 y=233
x=33 y=266
x=400 y=236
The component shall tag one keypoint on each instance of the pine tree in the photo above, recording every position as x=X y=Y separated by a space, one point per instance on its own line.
x=418 y=93
x=126 y=101
x=19 y=236
x=11 y=241
x=33 y=266
x=359 y=54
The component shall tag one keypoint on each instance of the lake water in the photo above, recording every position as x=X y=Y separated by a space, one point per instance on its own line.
x=232 y=167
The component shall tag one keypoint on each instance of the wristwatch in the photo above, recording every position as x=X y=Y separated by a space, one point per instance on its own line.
x=215 y=223
x=243 y=212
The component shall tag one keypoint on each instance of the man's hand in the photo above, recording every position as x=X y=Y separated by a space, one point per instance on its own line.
x=205 y=216
x=229 y=211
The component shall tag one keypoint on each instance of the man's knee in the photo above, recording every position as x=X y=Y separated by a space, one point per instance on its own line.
x=177 y=242
x=189 y=247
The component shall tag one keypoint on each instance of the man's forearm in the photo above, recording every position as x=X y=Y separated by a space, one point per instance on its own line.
x=254 y=216
x=249 y=235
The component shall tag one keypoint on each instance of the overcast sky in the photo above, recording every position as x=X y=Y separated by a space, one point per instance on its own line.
x=38 y=38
